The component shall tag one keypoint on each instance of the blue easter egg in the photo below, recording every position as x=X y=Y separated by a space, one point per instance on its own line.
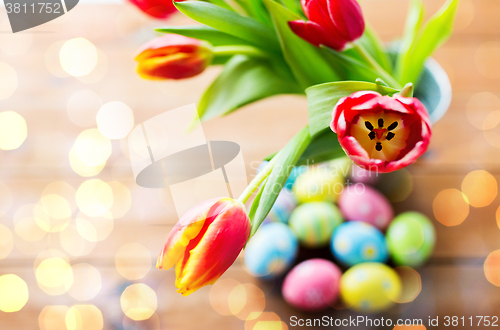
x=283 y=207
x=271 y=251
x=356 y=242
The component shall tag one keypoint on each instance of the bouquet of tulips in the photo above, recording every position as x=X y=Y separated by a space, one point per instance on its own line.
x=360 y=101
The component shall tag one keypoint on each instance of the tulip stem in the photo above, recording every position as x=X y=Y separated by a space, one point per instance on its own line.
x=239 y=49
x=374 y=64
x=256 y=182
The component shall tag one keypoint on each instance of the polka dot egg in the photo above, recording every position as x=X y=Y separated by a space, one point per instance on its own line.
x=370 y=287
x=314 y=223
x=411 y=238
x=362 y=203
x=271 y=251
x=283 y=207
x=312 y=285
x=356 y=242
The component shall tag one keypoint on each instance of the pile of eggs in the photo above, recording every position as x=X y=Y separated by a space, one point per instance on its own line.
x=336 y=206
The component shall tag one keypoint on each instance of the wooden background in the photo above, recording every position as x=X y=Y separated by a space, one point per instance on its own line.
x=453 y=283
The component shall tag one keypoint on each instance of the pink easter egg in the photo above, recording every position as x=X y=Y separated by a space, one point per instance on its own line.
x=360 y=175
x=361 y=203
x=312 y=285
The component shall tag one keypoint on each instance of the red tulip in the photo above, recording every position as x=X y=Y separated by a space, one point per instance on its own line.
x=332 y=23
x=156 y=8
x=381 y=133
x=205 y=242
x=173 y=57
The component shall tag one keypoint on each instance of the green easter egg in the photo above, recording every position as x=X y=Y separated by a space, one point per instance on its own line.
x=313 y=223
x=411 y=238
x=319 y=184
x=370 y=287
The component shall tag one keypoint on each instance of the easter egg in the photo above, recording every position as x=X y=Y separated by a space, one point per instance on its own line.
x=360 y=175
x=362 y=203
x=318 y=184
x=356 y=242
x=294 y=174
x=370 y=287
x=312 y=285
x=313 y=223
x=283 y=207
x=411 y=238
x=271 y=251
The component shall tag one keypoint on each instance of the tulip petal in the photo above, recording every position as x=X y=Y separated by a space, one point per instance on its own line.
x=216 y=250
x=183 y=232
x=409 y=158
x=347 y=17
x=176 y=66
x=313 y=33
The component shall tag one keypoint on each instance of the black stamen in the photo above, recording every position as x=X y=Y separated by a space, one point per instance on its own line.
x=378 y=146
x=380 y=122
x=392 y=126
x=371 y=135
x=390 y=136
x=369 y=125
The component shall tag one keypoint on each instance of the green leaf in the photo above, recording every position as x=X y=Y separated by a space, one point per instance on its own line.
x=321 y=99
x=244 y=80
x=414 y=21
x=323 y=147
x=203 y=32
x=229 y=22
x=220 y=3
x=375 y=47
x=285 y=161
x=305 y=60
x=294 y=6
x=350 y=67
x=256 y=9
x=435 y=32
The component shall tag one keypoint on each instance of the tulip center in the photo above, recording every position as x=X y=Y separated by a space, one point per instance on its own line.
x=382 y=135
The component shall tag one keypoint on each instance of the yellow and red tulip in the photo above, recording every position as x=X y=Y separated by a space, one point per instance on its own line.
x=332 y=23
x=173 y=56
x=381 y=133
x=205 y=242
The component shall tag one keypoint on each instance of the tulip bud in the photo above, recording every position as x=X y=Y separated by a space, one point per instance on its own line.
x=205 y=242
x=332 y=23
x=173 y=57
x=381 y=133
x=156 y=8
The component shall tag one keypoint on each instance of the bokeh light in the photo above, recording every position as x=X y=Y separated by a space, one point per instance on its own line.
x=411 y=284
x=450 y=207
x=497 y=216
x=266 y=321
x=487 y=59
x=92 y=148
x=86 y=284
x=480 y=187
x=83 y=106
x=492 y=268
x=54 y=275
x=138 y=301
x=246 y=301
x=94 y=197
x=219 y=295
x=6 y=241
x=78 y=57
x=153 y=323
x=133 y=261
x=74 y=243
x=26 y=222
x=396 y=186
x=99 y=70
x=53 y=317
x=465 y=15
x=63 y=189
x=115 y=120
x=13 y=293
x=84 y=317
x=94 y=229
x=80 y=168
x=480 y=106
x=13 y=129
x=56 y=206
x=8 y=81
